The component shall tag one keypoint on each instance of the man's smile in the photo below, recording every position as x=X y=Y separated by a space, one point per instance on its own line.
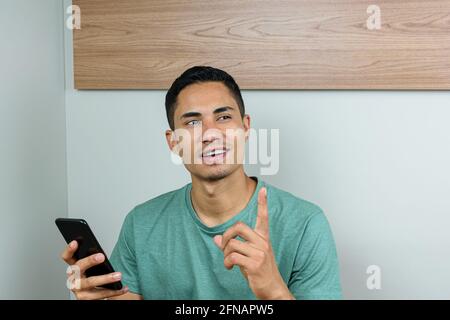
x=214 y=155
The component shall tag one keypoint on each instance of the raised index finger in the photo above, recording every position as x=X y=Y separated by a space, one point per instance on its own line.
x=262 y=219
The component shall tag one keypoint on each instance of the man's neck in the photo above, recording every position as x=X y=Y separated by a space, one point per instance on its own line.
x=218 y=201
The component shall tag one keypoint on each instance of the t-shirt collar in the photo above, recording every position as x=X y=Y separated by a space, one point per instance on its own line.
x=221 y=228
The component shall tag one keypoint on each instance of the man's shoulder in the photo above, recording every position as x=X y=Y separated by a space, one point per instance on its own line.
x=159 y=204
x=293 y=205
x=292 y=214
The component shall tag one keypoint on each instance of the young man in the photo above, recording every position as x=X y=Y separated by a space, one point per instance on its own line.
x=225 y=235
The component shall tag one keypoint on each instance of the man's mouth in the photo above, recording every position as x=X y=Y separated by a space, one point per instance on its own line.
x=214 y=155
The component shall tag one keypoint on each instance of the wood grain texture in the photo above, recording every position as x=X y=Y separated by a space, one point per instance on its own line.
x=264 y=44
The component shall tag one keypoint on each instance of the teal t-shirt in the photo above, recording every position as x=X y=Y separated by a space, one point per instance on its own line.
x=164 y=251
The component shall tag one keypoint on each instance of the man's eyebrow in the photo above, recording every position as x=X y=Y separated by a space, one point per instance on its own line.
x=198 y=114
x=222 y=109
x=190 y=114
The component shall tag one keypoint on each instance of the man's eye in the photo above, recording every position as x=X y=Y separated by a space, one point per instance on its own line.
x=193 y=122
x=224 y=118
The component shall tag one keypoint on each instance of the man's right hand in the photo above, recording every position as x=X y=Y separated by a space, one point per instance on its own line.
x=88 y=288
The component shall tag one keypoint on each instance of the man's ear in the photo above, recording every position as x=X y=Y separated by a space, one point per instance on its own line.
x=246 y=122
x=171 y=139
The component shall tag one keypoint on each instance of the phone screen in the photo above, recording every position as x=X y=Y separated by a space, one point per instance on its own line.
x=79 y=230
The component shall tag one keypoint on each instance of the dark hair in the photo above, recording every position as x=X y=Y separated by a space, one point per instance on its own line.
x=199 y=74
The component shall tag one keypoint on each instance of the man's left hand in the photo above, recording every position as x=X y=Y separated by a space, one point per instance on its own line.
x=254 y=256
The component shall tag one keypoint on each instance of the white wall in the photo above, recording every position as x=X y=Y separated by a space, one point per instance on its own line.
x=375 y=161
x=32 y=149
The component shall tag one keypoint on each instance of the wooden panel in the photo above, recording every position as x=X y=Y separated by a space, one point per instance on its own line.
x=276 y=44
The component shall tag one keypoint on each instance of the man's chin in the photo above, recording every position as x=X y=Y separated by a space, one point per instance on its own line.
x=216 y=176
x=218 y=173
x=215 y=172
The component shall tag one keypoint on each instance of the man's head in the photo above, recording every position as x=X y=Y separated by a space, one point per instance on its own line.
x=200 y=74
x=206 y=115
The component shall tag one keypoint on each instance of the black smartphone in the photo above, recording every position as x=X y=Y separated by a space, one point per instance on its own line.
x=79 y=230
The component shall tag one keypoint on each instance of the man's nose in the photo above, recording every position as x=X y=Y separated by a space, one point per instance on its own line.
x=210 y=132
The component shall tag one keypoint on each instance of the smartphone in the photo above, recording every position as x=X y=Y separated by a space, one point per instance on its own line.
x=79 y=230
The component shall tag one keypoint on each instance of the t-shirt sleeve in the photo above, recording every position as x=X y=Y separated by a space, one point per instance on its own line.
x=315 y=273
x=123 y=257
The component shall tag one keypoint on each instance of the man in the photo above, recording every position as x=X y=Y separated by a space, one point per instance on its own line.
x=225 y=235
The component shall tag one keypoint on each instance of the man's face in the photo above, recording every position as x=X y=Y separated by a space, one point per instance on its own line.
x=212 y=130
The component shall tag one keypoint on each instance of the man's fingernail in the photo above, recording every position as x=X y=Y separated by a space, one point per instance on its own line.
x=72 y=244
x=99 y=257
x=117 y=275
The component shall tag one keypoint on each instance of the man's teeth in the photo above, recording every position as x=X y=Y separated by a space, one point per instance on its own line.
x=213 y=153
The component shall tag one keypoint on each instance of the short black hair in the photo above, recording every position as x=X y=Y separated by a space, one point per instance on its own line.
x=199 y=74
